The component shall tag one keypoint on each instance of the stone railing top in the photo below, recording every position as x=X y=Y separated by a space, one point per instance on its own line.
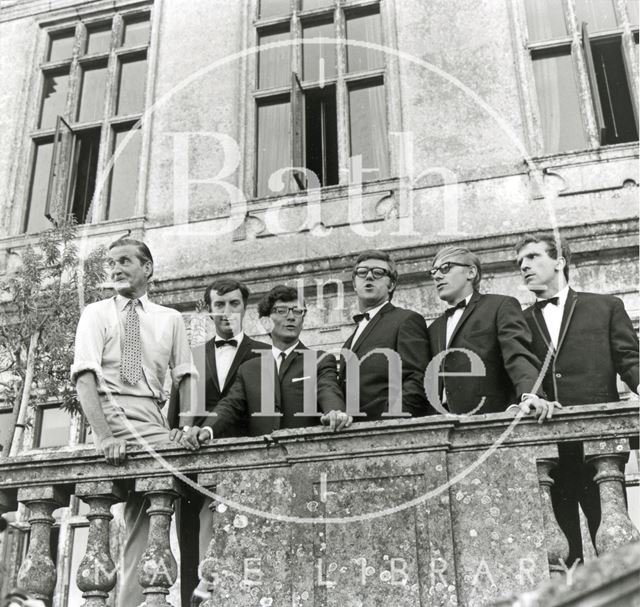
x=450 y=433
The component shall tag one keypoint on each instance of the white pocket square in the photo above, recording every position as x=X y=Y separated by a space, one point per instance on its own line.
x=300 y=378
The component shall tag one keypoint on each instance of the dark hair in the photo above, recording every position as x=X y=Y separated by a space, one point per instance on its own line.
x=278 y=293
x=223 y=286
x=142 y=250
x=470 y=258
x=551 y=242
x=382 y=256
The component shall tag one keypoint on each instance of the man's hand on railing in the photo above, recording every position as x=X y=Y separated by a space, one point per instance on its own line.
x=191 y=437
x=114 y=450
x=538 y=407
x=336 y=420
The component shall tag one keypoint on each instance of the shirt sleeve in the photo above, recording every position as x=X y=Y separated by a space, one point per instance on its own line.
x=89 y=345
x=181 y=361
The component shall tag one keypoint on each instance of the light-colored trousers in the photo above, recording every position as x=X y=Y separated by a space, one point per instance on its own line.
x=139 y=421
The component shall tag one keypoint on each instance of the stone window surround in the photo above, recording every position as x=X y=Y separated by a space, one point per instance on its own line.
x=61 y=20
x=524 y=69
x=390 y=75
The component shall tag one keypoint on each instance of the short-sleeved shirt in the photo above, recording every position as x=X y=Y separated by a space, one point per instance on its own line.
x=164 y=345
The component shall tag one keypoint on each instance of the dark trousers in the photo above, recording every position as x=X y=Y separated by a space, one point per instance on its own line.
x=188 y=538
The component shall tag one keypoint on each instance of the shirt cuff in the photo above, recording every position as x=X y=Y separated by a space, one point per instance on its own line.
x=209 y=430
x=178 y=372
x=85 y=365
x=528 y=395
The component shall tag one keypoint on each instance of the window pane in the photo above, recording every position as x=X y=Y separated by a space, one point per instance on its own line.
x=131 y=87
x=559 y=104
x=136 y=33
x=613 y=88
x=633 y=11
x=61 y=46
x=99 y=39
x=368 y=131
x=80 y=536
x=599 y=14
x=321 y=134
x=54 y=429
x=54 y=99
x=94 y=84
x=124 y=176
x=274 y=8
x=274 y=144
x=319 y=60
x=40 y=183
x=84 y=171
x=5 y=430
x=545 y=19
x=274 y=64
x=311 y=4
x=364 y=28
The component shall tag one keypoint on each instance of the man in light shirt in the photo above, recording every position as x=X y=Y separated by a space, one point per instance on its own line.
x=390 y=346
x=123 y=349
x=585 y=341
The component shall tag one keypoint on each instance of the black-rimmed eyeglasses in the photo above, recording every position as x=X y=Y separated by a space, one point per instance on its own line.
x=446 y=267
x=284 y=310
x=376 y=273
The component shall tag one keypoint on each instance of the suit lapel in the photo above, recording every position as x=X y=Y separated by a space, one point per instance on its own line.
x=238 y=359
x=371 y=325
x=538 y=318
x=465 y=314
x=210 y=357
x=569 y=307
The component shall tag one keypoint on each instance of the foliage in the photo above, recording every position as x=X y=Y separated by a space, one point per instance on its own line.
x=46 y=295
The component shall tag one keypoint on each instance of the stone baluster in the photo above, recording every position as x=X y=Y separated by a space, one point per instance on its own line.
x=37 y=575
x=556 y=541
x=158 y=569
x=97 y=572
x=608 y=457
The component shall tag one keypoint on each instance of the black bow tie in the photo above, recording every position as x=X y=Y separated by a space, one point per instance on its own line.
x=543 y=302
x=358 y=317
x=459 y=306
x=226 y=342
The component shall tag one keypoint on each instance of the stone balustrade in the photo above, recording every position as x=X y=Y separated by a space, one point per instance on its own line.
x=441 y=510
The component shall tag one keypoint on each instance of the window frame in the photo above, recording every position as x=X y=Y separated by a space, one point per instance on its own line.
x=78 y=427
x=78 y=23
x=343 y=80
x=587 y=93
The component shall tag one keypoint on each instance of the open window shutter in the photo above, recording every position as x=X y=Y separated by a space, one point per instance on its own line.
x=635 y=96
x=56 y=206
x=586 y=44
x=297 y=129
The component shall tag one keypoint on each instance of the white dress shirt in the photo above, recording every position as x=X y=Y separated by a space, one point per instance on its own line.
x=454 y=319
x=277 y=352
x=552 y=315
x=225 y=355
x=164 y=344
x=362 y=325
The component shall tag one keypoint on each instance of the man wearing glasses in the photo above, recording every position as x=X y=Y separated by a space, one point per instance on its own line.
x=290 y=386
x=384 y=376
x=483 y=340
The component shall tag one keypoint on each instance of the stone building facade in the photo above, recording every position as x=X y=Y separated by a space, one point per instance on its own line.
x=410 y=124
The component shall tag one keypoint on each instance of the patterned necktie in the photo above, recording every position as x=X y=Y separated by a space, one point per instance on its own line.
x=131 y=355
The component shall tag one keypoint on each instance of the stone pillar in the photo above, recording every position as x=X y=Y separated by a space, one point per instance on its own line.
x=97 y=573
x=556 y=541
x=37 y=575
x=608 y=457
x=158 y=569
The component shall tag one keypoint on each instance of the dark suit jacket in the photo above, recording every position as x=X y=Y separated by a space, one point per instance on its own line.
x=212 y=389
x=236 y=412
x=494 y=328
x=404 y=332
x=597 y=341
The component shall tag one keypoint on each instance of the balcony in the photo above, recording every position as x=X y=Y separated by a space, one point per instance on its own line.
x=427 y=511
